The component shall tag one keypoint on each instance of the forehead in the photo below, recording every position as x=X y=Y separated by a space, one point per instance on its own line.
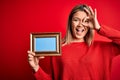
x=80 y=14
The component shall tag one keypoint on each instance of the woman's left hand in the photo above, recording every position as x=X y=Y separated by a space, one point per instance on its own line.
x=91 y=21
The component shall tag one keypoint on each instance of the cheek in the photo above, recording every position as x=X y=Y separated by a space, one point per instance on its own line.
x=74 y=24
x=73 y=27
x=86 y=31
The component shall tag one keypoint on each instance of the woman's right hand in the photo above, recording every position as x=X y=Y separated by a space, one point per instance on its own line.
x=34 y=60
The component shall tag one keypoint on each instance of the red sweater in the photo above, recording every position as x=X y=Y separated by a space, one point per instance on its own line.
x=80 y=62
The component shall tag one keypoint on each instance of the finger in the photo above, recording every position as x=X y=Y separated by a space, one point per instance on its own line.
x=85 y=24
x=86 y=19
x=30 y=52
x=91 y=10
x=41 y=57
x=89 y=13
x=30 y=59
x=30 y=56
x=95 y=13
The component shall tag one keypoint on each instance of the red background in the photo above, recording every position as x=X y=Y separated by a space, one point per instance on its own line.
x=20 y=17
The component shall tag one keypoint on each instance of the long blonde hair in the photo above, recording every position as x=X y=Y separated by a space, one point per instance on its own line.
x=68 y=37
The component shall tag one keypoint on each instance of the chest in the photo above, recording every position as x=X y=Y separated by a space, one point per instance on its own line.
x=78 y=55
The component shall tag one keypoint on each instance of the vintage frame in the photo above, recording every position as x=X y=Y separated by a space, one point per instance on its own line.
x=49 y=39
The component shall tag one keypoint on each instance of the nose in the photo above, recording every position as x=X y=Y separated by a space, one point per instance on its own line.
x=80 y=24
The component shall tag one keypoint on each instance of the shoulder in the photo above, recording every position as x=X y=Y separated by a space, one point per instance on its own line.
x=104 y=44
x=65 y=46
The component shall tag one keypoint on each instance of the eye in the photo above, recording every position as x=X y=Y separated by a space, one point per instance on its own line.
x=87 y=21
x=75 y=19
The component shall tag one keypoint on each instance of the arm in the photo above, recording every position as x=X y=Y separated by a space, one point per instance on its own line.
x=93 y=23
x=34 y=63
x=41 y=75
x=110 y=33
x=114 y=35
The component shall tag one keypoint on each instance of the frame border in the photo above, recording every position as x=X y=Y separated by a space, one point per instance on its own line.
x=57 y=35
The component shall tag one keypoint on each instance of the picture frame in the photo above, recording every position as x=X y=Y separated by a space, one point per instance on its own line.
x=45 y=43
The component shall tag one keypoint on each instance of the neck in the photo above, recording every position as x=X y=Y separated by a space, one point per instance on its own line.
x=78 y=40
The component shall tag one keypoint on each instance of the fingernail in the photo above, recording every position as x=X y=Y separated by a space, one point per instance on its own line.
x=28 y=51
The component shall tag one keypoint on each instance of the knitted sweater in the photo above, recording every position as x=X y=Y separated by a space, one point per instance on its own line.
x=82 y=62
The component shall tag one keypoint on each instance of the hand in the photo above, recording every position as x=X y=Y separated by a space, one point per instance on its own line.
x=34 y=60
x=91 y=21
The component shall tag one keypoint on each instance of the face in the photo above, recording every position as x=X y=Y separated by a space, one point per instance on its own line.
x=79 y=31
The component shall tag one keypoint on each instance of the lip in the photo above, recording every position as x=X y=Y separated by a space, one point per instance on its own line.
x=80 y=30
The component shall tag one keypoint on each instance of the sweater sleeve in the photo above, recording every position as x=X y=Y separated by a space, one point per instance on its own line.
x=114 y=35
x=41 y=75
x=110 y=33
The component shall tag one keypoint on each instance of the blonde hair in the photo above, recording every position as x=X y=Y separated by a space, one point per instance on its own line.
x=68 y=37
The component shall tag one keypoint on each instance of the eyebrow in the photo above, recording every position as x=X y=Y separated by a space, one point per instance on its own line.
x=78 y=18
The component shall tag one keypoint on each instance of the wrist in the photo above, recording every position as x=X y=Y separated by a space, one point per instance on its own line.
x=36 y=68
x=98 y=28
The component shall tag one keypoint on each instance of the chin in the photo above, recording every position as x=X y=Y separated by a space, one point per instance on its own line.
x=79 y=37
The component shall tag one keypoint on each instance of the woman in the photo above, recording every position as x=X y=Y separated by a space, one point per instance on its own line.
x=82 y=58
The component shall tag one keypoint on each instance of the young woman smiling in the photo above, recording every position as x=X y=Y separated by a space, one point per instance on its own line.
x=82 y=57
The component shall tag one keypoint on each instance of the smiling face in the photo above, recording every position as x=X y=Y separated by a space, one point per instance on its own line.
x=78 y=30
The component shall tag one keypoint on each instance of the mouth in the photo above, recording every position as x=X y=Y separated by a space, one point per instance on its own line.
x=80 y=30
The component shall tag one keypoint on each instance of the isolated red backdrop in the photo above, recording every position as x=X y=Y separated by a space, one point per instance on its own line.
x=20 y=17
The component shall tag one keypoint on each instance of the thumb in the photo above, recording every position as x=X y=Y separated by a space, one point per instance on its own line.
x=41 y=57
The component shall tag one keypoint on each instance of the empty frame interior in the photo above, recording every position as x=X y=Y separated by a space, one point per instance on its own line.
x=46 y=44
